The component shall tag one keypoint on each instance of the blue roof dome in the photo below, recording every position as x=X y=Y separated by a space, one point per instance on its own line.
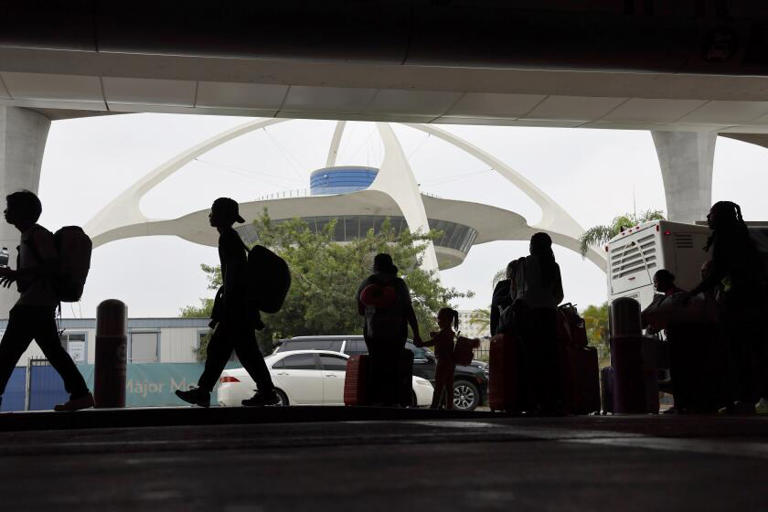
x=341 y=179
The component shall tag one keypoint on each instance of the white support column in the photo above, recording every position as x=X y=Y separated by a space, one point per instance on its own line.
x=23 y=134
x=686 y=167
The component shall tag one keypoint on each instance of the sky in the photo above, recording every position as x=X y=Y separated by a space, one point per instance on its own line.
x=593 y=174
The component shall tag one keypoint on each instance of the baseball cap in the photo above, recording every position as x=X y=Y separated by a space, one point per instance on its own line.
x=228 y=207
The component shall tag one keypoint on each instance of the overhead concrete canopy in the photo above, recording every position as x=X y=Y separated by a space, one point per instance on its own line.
x=609 y=64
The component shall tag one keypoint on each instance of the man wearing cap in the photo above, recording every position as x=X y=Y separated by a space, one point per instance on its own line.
x=231 y=318
x=385 y=301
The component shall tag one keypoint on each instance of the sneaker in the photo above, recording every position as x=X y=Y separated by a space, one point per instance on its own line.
x=75 y=404
x=743 y=408
x=195 y=396
x=762 y=406
x=262 y=399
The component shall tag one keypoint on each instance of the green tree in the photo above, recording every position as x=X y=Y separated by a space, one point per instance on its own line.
x=326 y=275
x=596 y=323
x=481 y=318
x=599 y=235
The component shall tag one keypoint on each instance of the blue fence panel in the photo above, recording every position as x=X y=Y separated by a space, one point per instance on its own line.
x=154 y=384
x=16 y=391
x=46 y=388
x=146 y=385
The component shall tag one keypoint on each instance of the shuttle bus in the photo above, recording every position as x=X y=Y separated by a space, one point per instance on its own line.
x=637 y=253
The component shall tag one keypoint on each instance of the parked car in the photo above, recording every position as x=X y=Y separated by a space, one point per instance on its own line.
x=304 y=377
x=470 y=383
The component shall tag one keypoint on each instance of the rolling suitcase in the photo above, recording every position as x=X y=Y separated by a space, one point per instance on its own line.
x=582 y=380
x=504 y=391
x=571 y=327
x=356 y=380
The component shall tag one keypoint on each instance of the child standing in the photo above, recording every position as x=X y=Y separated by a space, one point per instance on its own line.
x=443 y=341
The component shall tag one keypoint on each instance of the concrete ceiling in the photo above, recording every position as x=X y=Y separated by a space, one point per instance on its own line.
x=81 y=82
x=686 y=65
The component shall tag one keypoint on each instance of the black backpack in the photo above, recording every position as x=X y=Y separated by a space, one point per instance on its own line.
x=73 y=248
x=269 y=279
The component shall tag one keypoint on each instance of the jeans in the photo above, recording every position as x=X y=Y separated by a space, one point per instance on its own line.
x=26 y=323
x=239 y=337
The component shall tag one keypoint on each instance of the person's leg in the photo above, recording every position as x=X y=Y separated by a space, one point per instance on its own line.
x=15 y=341
x=377 y=375
x=219 y=350
x=437 y=393
x=448 y=385
x=47 y=336
x=743 y=344
x=548 y=361
x=250 y=356
x=677 y=369
x=391 y=376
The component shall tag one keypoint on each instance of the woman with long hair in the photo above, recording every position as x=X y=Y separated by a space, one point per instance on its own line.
x=538 y=290
x=737 y=278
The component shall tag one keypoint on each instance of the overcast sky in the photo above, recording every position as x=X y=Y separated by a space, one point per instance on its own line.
x=594 y=174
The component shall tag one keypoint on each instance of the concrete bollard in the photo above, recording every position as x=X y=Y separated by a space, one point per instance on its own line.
x=625 y=318
x=111 y=342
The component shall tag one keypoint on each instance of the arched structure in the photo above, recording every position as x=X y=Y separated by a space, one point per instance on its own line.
x=394 y=192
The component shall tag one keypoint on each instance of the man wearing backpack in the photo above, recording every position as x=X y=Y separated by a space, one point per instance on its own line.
x=34 y=315
x=232 y=317
x=385 y=302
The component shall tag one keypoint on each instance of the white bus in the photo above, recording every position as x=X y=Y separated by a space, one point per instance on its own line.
x=637 y=253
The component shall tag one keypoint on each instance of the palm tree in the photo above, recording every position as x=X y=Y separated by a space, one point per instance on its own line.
x=499 y=276
x=480 y=318
x=599 y=235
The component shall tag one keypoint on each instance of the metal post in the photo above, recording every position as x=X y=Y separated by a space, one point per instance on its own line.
x=111 y=342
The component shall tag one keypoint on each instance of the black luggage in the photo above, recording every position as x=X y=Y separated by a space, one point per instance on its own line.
x=606 y=387
x=504 y=387
x=405 y=393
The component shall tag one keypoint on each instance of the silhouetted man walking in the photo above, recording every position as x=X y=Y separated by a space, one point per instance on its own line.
x=34 y=315
x=231 y=318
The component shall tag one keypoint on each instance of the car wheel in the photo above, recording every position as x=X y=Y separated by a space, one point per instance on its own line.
x=283 y=399
x=466 y=395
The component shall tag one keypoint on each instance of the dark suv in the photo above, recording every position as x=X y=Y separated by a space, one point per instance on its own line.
x=470 y=383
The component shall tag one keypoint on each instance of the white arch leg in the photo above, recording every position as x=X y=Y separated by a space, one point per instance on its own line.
x=124 y=209
x=333 y=151
x=555 y=220
x=396 y=179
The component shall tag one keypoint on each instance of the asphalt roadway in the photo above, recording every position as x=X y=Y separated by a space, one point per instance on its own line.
x=366 y=459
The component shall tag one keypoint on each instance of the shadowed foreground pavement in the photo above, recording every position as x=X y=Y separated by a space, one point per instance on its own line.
x=359 y=459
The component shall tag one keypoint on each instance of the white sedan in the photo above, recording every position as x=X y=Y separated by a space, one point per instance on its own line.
x=303 y=377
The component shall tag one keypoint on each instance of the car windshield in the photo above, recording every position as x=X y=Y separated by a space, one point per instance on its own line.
x=310 y=344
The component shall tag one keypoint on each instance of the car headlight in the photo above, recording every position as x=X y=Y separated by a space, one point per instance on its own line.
x=422 y=382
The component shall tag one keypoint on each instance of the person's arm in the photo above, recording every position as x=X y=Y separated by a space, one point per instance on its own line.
x=234 y=278
x=717 y=272
x=429 y=343
x=360 y=305
x=44 y=250
x=496 y=297
x=557 y=291
x=410 y=314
